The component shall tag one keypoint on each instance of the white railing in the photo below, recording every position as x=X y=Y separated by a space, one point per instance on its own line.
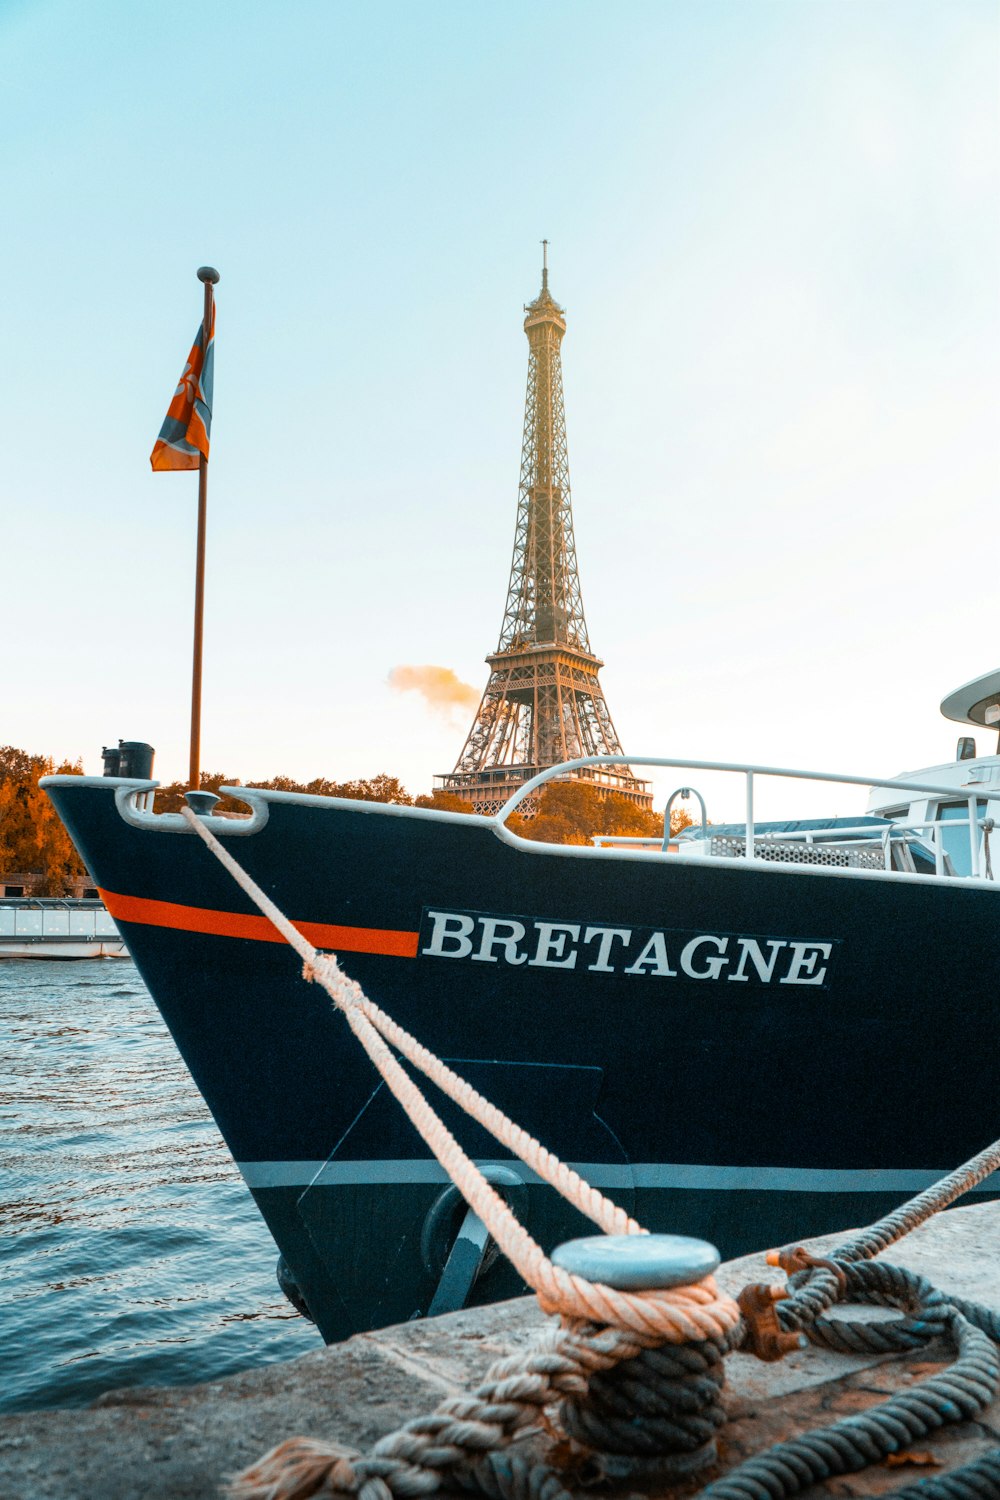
x=906 y=787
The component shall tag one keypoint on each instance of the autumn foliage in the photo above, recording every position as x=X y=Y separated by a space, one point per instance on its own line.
x=380 y=788
x=571 y=812
x=32 y=839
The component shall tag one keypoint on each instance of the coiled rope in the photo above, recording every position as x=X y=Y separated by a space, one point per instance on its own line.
x=637 y=1375
x=959 y=1393
x=815 y=1285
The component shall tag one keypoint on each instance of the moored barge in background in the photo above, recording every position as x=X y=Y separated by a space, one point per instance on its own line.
x=58 y=927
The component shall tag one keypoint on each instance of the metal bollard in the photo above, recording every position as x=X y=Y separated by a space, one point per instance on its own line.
x=201 y=803
x=638 y=1262
x=654 y=1416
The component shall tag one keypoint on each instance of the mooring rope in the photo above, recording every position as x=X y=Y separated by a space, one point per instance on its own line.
x=637 y=1376
x=669 y=1315
x=601 y=1327
x=816 y=1285
x=960 y=1393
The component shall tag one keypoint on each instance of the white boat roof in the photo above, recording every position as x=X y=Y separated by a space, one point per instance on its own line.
x=977 y=703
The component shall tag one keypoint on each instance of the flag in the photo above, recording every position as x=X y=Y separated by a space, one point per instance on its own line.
x=184 y=435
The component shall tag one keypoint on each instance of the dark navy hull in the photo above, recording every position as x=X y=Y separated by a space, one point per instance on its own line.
x=769 y=1053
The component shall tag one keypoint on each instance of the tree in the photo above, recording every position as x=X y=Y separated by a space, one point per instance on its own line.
x=571 y=812
x=679 y=819
x=443 y=802
x=33 y=841
x=381 y=788
x=16 y=765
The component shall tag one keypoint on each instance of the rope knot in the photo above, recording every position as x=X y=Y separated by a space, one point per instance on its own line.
x=295 y=1470
x=657 y=1315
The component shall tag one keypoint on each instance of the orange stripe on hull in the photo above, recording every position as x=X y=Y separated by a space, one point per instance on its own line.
x=233 y=924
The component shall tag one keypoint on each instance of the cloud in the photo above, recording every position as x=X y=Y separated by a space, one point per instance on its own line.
x=439 y=687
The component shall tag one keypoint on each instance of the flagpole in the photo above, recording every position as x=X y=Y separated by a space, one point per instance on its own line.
x=209 y=276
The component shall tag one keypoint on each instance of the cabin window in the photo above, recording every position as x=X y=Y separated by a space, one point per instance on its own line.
x=956 y=840
x=13 y=890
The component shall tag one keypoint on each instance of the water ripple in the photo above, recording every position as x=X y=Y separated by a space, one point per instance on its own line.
x=130 y=1251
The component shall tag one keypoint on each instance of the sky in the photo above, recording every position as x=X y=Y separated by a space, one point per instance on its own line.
x=775 y=229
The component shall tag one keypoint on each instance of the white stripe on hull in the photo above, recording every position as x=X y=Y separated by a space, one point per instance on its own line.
x=661 y=1175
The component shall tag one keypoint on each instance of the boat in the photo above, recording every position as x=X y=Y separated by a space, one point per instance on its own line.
x=58 y=927
x=760 y=1031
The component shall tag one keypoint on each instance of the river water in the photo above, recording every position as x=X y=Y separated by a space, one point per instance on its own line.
x=130 y=1251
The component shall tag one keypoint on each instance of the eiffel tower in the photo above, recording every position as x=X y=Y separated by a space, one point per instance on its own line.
x=543 y=703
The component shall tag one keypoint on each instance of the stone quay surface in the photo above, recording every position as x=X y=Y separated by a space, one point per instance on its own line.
x=181 y=1443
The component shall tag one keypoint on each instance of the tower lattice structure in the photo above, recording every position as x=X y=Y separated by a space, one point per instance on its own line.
x=543 y=703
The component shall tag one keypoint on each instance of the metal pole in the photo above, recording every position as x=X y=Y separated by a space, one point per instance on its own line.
x=750 y=841
x=685 y=792
x=209 y=277
x=974 y=836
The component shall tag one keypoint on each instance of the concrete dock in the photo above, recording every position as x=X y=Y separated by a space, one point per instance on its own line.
x=151 y=1444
